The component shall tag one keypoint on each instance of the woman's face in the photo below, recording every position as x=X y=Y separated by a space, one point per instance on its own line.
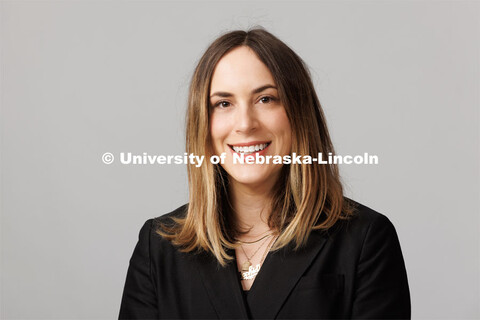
x=246 y=114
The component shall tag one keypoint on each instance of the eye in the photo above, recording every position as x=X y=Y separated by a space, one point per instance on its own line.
x=222 y=104
x=267 y=99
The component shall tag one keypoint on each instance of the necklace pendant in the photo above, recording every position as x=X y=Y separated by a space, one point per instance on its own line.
x=251 y=273
x=246 y=265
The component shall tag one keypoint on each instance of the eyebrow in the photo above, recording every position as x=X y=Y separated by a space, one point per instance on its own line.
x=224 y=94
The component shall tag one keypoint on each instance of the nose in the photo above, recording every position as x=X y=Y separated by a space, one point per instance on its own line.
x=245 y=119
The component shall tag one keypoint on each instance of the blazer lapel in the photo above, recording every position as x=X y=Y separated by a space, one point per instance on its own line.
x=278 y=276
x=223 y=287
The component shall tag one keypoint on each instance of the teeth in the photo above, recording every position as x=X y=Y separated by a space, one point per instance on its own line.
x=249 y=149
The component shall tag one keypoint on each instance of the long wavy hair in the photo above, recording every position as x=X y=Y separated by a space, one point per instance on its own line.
x=306 y=197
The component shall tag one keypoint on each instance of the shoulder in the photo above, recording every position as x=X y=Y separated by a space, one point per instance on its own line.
x=169 y=218
x=149 y=236
x=364 y=217
x=362 y=224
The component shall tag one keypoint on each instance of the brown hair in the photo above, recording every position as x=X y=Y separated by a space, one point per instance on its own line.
x=307 y=196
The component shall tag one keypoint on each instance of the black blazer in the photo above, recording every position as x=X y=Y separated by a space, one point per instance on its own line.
x=355 y=270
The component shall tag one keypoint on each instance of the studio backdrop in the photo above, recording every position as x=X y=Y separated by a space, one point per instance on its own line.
x=84 y=81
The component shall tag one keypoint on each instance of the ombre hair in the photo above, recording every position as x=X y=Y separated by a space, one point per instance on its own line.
x=306 y=196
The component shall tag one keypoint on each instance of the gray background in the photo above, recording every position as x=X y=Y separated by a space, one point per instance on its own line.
x=396 y=79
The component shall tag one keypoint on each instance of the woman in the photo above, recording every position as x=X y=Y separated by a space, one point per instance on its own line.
x=263 y=240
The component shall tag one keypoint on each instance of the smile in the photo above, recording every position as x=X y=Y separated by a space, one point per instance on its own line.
x=248 y=148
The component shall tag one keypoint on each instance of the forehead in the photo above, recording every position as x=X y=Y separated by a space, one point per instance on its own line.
x=240 y=69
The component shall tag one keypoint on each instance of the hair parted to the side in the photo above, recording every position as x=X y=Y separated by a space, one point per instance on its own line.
x=307 y=196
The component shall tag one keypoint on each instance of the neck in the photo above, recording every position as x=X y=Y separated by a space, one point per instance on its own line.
x=251 y=209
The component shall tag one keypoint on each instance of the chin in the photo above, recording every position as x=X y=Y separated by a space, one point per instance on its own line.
x=251 y=176
x=248 y=181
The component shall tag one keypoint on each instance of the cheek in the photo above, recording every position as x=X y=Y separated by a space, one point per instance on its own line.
x=282 y=125
x=219 y=129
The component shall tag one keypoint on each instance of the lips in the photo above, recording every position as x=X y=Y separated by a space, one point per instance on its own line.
x=250 y=147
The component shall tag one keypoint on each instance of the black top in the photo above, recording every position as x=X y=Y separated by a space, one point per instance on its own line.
x=355 y=270
x=245 y=301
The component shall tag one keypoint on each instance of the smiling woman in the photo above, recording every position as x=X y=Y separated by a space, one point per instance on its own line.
x=263 y=240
